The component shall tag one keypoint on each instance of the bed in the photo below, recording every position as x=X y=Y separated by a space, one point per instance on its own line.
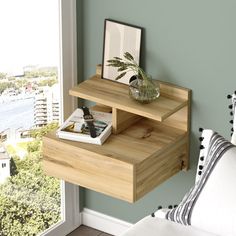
x=150 y=226
x=208 y=209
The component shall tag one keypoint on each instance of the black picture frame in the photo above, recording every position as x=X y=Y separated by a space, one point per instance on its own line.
x=119 y=38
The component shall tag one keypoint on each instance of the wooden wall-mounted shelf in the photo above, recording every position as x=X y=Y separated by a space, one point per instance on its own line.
x=116 y=95
x=149 y=144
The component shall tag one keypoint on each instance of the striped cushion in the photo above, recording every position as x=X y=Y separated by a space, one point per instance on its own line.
x=233 y=139
x=206 y=136
x=205 y=141
x=210 y=204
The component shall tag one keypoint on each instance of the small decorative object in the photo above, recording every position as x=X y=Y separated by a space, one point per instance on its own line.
x=86 y=126
x=141 y=86
x=118 y=39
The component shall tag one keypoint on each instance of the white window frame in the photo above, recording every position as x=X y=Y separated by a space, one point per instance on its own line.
x=68 y=74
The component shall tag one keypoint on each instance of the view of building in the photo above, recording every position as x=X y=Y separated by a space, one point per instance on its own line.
x=4 y=135
x=46 y=106
x=4 y=164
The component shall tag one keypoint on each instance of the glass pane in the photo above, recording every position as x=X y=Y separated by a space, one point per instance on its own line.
x=30 y=202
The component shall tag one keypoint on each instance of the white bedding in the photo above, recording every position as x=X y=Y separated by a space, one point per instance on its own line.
x=154 y=226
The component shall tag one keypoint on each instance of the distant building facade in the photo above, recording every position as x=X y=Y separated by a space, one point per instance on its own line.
x=46 y=106
x=4 y=164
x=3 y=136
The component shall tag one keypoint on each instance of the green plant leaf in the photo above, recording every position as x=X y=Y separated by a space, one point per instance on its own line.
x=128 y=56
x=113 y=61
x=122 y=68
x=125 y=64
x=120 y=76
x=114 y=65
x=118 y=58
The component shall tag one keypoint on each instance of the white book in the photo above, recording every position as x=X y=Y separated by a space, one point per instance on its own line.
x=76 y=129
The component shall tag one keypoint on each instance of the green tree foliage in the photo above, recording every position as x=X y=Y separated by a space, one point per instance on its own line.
x=12 y=78
x=29 y=200
x=13 y=165
x=42 y=72
x=3 y=75
x=5 y=85
x=48 y=82
x=21 y=83
x=33 y=146
x=39 y=133
x=46 y=76
x=29 y=203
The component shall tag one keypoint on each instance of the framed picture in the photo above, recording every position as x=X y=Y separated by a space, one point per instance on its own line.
x=118 y=39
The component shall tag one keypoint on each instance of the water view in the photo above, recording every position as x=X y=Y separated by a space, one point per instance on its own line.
x=17 y=114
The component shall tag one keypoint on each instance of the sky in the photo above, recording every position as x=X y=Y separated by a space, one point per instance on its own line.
x=29 y=34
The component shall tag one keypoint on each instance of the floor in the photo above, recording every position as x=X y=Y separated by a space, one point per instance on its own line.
x=87 y=231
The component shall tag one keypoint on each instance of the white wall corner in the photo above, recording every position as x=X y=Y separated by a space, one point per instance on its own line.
x=104 y=222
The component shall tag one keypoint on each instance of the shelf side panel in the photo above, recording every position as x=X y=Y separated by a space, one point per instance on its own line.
x=121 y=120
x=174 y=91
x=159 y=168
x=182 y=120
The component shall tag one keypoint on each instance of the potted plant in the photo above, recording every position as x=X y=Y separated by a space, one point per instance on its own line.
x=141 y=88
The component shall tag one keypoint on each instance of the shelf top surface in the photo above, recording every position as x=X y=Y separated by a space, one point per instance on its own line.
x=116 y=95
x=137 y=143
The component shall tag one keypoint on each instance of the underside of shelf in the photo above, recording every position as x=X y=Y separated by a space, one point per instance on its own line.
x=126 y=166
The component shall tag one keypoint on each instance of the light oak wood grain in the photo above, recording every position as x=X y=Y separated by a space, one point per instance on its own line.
x=116 y=95
x=149 y=144
x=181 y=120
x=114 y=167
x=121 y=120
x=102 y=108
x=159 y=168
x=90 y=170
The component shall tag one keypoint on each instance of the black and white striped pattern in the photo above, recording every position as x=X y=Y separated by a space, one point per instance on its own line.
x=182 y=214
x=234 y=102
x=233 y=99
x=234 y=107
x=205 y=141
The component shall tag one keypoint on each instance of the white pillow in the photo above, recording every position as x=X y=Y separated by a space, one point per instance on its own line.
x=211 y=203
x=233 y=139
x=205 y=138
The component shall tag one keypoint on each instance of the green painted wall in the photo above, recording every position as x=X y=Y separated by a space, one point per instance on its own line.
x=191 y=43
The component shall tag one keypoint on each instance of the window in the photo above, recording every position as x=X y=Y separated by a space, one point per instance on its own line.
x=69 y=197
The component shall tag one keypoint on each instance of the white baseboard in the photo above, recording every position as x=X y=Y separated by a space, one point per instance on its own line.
x=104 y=222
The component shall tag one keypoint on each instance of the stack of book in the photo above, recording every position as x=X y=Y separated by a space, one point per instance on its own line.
x=76 y=129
